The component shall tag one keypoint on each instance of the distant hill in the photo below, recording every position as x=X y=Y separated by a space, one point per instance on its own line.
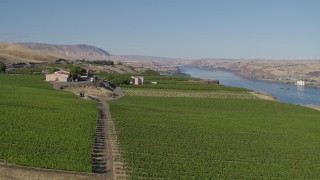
x=147 y=58
x=167 y=61
x=79 y=51
x=10 y=53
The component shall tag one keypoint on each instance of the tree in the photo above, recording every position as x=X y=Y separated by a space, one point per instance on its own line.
x=52 y=70
x=76 y=70
x=109 y=63
x=2 y=67
x=151 y=72
x=120 y=80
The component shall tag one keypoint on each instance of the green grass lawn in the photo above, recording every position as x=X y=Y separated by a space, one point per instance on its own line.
x=199 y=138
x=43 y=127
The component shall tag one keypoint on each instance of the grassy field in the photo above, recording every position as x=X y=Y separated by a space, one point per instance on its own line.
x=43 y=127
x=216 y=138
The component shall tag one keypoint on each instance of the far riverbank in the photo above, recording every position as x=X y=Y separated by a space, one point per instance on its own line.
x=283 y=92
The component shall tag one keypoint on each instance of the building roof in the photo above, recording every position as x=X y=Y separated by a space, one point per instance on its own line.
x=137 y=77
x=62 y=72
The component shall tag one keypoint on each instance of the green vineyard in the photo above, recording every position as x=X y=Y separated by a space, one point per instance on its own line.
x=137 y=91
x=199 y=138
x=42 y=127
x=188 y=86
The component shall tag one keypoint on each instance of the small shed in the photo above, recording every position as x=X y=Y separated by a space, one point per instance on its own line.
x=136 y=80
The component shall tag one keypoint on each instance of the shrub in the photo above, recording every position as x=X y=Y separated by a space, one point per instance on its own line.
x=52 y=70
x=2 y=67
x=151 y=72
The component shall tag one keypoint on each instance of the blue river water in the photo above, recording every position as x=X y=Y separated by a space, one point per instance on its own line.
x=289 y=93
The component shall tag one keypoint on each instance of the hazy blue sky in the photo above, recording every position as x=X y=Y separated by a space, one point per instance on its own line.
x=171 y=28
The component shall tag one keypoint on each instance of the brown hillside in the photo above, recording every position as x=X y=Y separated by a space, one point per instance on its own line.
x=76 y=51
x=10 y=53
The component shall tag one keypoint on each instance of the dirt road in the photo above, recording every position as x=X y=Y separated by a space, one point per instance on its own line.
x=102 y=159
x=15 y=172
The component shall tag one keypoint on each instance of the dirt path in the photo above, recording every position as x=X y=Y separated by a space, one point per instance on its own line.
x=16 y=172
x=117 y=163
x=264 y=95
x=118 y=92
x=59 y=85
x=102 y=160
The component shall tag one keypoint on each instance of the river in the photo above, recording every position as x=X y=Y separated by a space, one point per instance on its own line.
x=283 y=92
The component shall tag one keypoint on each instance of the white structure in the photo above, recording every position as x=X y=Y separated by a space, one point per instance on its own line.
x=136 y=80
x=93 y=79
x=60 y=76
x=300 y=83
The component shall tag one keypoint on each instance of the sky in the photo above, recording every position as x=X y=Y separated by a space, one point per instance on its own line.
x=263 y=29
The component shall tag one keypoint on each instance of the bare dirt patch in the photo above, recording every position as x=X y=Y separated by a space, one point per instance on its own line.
x=89 y=90
x=9 y=171
x=264 y=95
x=313 y=107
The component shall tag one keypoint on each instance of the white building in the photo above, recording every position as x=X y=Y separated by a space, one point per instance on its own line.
x=136 y=80
x=60 y=76
x=300 y=83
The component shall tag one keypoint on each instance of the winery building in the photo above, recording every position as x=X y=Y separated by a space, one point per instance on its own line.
x=136 y=80
x=59 y=76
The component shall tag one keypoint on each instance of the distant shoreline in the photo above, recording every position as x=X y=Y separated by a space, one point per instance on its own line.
x=283 y=92
x=247 y=76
